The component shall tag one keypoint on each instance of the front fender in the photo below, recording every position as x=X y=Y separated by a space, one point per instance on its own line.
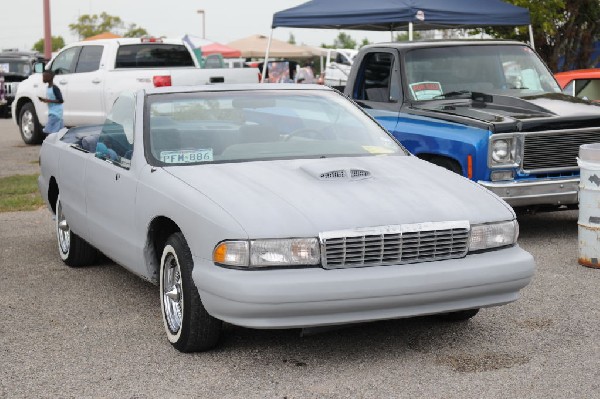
x=424 y=135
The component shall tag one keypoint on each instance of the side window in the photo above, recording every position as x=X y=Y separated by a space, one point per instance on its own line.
x=64 y=63
x=570 y=88
x=89 y=59
x=375 y=82
x=116 y=138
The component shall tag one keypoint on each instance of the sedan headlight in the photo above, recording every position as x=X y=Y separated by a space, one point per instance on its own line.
x=493 y=235
x=503 y=152
x=268 y=252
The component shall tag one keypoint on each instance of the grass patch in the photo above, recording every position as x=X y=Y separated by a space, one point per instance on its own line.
x=19 y=193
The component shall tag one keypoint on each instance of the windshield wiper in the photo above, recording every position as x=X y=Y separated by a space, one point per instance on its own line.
x=450 y=94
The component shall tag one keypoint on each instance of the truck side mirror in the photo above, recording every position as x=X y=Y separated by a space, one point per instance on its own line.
x=38 y=67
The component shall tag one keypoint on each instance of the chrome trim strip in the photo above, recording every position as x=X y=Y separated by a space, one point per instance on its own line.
x=543 y=192
x=395 y=229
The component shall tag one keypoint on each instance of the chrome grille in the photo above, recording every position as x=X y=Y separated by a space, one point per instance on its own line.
x=10 y=88
x=387 y=245
x=555 y=150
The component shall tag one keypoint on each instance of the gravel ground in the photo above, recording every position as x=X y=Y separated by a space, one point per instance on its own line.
x=16 y=157
x=97 y=332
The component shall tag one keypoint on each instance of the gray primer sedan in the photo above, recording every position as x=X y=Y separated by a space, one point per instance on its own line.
x=275 y=206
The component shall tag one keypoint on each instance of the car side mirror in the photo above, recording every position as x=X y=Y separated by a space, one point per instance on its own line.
x=38 y=67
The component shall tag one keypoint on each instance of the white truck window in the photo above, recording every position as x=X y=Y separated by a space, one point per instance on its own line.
x=89 y=59
x=64 y=63
x=156 y=55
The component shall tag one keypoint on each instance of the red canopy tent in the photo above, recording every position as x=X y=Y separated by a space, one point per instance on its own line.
x=217 y=48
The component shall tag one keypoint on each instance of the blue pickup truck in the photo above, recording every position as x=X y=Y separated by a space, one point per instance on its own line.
x=488 y=110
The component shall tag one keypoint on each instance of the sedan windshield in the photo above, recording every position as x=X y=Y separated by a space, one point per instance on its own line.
x=457 y=71
x=234 y=126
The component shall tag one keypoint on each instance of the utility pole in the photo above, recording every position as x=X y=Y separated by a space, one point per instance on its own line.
x=47 y=31
x=203 y=23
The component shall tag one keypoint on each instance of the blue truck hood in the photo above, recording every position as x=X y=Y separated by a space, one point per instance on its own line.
x=504 y=113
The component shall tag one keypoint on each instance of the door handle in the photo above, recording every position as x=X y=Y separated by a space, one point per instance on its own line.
x=96 y=81
x=62 y=82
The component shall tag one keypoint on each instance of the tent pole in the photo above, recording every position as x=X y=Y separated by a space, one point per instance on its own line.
x=410 y=31
x=531 y=37
x=264 y=71
x=321 y=63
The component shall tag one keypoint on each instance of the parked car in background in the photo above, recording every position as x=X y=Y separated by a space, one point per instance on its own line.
x=338 y=65
x=15 y=66
x=91 y=74
x=275 y=206
x=487 y=110
x=582 y=83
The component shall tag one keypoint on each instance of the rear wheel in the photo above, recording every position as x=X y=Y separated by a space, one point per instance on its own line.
x=31 y=130
x=188 y=325
x=73 y=250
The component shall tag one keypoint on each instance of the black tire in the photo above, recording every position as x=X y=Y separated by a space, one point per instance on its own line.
x=461 y=315
x=188 y=325
x=446 y=163
x=29 y=125
x=73 y=250
x=5 y=111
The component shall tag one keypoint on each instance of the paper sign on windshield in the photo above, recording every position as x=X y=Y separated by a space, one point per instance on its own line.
x=187 y=156
x=426 y=90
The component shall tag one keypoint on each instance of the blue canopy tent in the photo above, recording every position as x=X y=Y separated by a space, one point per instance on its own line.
x=391 y=15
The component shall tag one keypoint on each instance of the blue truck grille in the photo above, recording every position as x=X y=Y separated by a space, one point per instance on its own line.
x=395 y=245
x=555 y=150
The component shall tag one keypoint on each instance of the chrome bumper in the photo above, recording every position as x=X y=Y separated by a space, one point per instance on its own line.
x=545 y=192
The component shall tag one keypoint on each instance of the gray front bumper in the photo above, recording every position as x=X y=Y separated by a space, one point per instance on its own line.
x=543 y=192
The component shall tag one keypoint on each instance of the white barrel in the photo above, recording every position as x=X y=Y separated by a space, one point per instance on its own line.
x=589 y=205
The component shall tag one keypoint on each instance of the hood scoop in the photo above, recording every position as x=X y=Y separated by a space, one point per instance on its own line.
x=337 y=173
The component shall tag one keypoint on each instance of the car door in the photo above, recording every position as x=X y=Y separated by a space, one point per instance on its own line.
x=63 y=67
x=377 y=86
x=86 y=85
x=110 y=185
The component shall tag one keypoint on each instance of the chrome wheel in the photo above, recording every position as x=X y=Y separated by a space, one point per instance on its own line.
x=188 y=325
x=27 y=125
x=172 y=295
x=63 y=232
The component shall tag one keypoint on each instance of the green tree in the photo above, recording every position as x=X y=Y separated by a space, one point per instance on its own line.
x=341 y=41
x=135 y=31
x=57 y=43
x=344 y=41
x=365 y=42
x=90 y=25
x=403 y=36
x=292 y=39
x=561 y=28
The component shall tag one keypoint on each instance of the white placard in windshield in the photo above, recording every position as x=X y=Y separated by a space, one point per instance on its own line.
x=426 y=90
x=187 y=156
x=4 y=68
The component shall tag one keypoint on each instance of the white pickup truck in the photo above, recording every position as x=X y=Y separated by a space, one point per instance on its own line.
x=91 y=74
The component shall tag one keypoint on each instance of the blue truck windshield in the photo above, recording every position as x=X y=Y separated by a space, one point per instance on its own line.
x=442 y=72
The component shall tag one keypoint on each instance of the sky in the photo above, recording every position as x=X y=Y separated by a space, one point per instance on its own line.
x=21 y=21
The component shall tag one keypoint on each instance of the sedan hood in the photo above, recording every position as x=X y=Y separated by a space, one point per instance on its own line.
x=299 y=198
